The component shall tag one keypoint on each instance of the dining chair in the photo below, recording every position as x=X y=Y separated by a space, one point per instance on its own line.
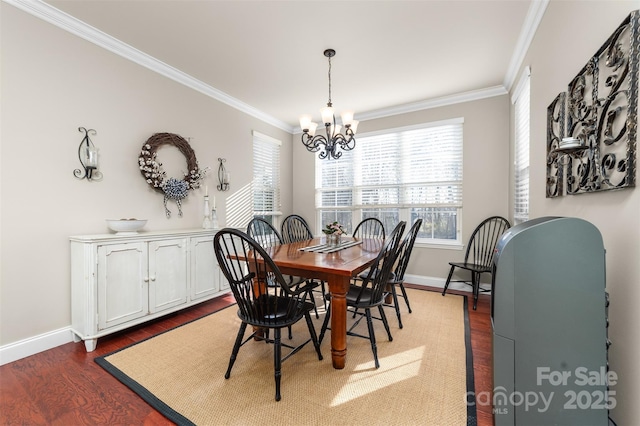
x=267 y=236
x=370 y=227
x=295 y=228
x=248 y=268
x=370 y=294
x=396 y=279
x=478 y=258
x=264 y=232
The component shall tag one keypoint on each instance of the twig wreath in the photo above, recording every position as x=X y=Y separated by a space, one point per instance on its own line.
x=156 y=177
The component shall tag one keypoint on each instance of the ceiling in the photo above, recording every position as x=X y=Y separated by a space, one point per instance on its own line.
x=269 y=54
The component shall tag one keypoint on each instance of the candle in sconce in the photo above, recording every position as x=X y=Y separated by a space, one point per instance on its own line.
x=214 y=202
x=206 y=190
x=91 y=157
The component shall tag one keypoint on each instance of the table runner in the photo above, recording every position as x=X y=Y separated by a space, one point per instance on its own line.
x=328 y=248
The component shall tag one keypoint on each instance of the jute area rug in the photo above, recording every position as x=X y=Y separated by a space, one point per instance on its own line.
x=424 y=378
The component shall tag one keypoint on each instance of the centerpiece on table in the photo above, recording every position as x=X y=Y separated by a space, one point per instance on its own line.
x=334 y=232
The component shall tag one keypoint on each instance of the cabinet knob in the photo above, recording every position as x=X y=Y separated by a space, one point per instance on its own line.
x=153 y=278
x=146 y=279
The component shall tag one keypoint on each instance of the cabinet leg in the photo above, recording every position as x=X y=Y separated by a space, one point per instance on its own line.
x=90 y=344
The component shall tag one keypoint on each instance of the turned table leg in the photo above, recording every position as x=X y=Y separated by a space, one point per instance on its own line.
x=338 y=286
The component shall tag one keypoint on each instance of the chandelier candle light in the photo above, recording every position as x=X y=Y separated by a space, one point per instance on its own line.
x=334 y=140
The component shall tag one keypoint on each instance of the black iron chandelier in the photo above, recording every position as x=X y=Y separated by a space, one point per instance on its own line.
x=330 y=144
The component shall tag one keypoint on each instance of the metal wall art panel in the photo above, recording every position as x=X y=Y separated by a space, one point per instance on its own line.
x=602 y=113
x=555 y=134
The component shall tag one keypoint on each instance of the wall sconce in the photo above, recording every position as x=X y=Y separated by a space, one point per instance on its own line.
x=88 y=155
x=569 y=148
x=223 y=176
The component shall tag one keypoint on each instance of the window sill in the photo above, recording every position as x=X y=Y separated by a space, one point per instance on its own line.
x=440 y=246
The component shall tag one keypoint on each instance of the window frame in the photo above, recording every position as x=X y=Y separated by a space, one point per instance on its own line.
x=403 y=208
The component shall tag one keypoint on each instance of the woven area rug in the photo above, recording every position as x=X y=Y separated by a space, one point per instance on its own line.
x=425 y=374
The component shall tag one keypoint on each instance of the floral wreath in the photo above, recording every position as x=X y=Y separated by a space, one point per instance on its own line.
x=156 y=177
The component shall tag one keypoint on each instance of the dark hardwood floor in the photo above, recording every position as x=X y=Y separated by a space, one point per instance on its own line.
x=64 y=386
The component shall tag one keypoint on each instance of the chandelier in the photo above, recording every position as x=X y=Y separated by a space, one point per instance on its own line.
x=330 y=144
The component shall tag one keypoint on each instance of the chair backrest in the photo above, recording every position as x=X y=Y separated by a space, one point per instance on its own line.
x=404 y=250
x=484 y=239
x=369 y=228
x=251 y=272
x=295 y=228
x=264 y=233
x=380 y=271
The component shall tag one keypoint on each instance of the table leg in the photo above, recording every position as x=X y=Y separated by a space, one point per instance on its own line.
x=338 y=286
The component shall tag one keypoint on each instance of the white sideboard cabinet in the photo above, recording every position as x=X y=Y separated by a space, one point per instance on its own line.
x=118 y=281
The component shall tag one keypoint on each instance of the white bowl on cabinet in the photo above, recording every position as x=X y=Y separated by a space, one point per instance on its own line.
x=126 y=226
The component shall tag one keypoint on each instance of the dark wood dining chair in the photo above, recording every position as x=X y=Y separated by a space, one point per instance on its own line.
x=396 y=279
x=370 y=294
x=264 y=233
x=370 y=227
x=248 y=268
x=295 y=228
x=478 y=259
x=267 y=236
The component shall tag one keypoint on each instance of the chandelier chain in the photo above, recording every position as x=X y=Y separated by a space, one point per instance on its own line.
x=329 y=104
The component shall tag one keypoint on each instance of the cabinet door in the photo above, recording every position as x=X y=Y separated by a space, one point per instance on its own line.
x=167 y=274
x=205 y=279
x=122 y=290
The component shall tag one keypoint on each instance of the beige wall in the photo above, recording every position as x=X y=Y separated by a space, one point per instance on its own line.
x=52 y=83
x=569 y=34
x=485 y=172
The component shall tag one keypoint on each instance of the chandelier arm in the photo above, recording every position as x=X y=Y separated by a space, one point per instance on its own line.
x=346 y=143
x=313 y=144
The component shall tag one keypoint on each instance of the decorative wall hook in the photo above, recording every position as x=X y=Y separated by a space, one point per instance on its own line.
x=223 y=176
x=88 y=155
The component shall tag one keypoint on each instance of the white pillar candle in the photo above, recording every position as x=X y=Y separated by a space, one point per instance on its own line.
x=206 y=190
x=214 y=202
x=91 y=157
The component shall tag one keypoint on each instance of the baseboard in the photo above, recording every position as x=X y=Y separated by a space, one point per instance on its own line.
x=440 y=282
x=36 y=344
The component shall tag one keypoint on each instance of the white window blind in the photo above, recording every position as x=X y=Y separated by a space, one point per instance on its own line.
x=398 y=174
x=521 y=151
x=266 y=175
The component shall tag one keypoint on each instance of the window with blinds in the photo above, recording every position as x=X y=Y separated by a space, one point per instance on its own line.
x=521 y=101
x=399 y=174
x=266 y=177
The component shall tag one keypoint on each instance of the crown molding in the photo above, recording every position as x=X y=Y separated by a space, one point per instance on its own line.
x=529 y=28
x=54 y=16
x=472 y=95
x=458 y=98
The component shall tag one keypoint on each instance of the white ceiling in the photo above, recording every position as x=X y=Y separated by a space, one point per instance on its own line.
x=269 y=54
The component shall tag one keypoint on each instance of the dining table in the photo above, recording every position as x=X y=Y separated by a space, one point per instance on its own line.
x=335 y=265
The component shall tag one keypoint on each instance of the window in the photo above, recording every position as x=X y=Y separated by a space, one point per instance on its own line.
x=266 y=177
x=521 y=103
x=399 y=174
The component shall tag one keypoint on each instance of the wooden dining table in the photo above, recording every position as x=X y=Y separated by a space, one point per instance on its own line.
x=336 y=269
